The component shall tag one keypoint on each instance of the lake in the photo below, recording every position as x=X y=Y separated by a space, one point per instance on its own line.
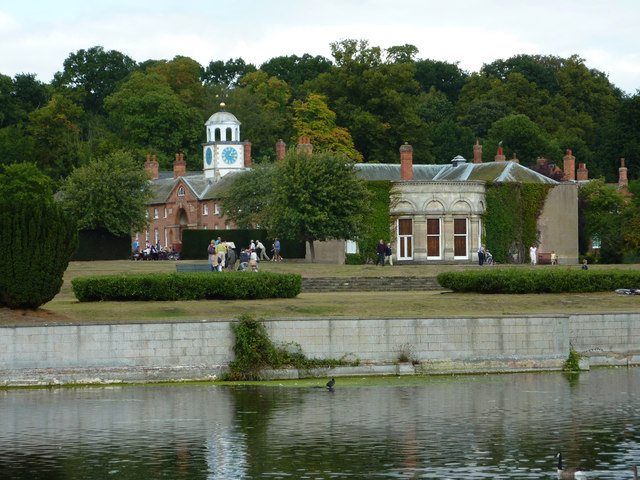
x=448 y=427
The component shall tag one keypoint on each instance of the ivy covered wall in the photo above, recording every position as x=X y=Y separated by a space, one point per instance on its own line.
x=510 y=220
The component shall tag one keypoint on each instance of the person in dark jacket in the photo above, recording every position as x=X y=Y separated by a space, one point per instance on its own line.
x=231 y=259
x=244 y=259
x=381 y=251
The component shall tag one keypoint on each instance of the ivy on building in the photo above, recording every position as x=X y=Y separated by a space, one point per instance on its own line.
x=378 y=221
x=510 y=219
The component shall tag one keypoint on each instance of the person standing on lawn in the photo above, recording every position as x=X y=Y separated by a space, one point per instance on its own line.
x=381 y=249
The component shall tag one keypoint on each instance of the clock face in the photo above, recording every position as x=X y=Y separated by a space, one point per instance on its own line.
x=229 y=155
x=209 y=156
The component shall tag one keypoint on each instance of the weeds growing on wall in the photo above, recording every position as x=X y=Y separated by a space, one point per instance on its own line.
x=572 y=364
x=510 y=220
x=255 y=351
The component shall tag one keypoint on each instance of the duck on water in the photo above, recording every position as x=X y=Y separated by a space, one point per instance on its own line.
x=569 y=473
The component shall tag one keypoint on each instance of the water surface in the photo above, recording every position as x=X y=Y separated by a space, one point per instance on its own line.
x=462 y=427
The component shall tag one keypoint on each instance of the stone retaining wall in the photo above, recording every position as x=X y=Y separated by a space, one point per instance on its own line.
x=192 y=350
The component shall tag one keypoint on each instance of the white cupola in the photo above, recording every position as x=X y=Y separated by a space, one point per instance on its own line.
x=224 y=152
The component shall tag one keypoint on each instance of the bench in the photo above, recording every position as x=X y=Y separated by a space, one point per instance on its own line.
x=192 y=267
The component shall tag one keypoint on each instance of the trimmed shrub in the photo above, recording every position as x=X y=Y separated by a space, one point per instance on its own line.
x=517 y=280
x=38 y=240
x=355 y=259
x=187 y=286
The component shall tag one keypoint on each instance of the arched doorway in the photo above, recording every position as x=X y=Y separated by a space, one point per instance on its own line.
x=183 y=221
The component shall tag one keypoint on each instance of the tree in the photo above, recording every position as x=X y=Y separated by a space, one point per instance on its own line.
x=110 y=193
x=39 y=238
x=314 y=120
x=296 y=70
x=56 y=135
x=246 y=198
x=306 y=198
x=600 y=208
x=92 y=75
x=449 y=140
x=523 y=137
x=446 y=77
x=317 y=198
x=183 y=75
x=148 y=114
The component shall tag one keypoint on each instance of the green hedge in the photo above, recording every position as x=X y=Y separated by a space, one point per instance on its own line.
x=187 y=286
x=101 y=244
x=516 y=280
x=195 y=242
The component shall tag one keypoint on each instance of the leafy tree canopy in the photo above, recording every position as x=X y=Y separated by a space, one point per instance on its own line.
x=110 y=192
x=314 y=120
x=92 y=75
x=24 y=182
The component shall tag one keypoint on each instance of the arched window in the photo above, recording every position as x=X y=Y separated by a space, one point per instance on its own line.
x=181 y=192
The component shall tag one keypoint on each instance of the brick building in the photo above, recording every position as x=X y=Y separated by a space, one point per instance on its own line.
x=181 y=199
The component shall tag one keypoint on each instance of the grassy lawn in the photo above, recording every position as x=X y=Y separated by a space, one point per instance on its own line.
x=65 y=308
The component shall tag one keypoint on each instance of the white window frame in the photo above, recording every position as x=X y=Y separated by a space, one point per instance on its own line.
x=216 y=209
x=466 y=239
x=156 y=213
x=402 y=239
x=181 y=192
x=157 y=237
x=165 y=212
x=205 y=209
x=439 y=256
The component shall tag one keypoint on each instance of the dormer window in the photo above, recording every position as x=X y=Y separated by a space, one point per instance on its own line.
x=181 y=192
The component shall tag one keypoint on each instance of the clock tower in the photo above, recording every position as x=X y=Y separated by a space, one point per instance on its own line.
x=224 y=152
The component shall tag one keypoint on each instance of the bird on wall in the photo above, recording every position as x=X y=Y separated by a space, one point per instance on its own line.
x=331 y=383
x=568 y=473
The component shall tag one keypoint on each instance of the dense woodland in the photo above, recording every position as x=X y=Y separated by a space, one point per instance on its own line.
x=364 y=102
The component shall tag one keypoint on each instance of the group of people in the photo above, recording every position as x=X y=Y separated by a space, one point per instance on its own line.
x=152 y=252
x=222 y=255
x=384 y=253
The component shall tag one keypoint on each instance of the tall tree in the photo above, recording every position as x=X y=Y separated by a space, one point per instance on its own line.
x=148 y=115
x=110 y=193
x=296 y=70
x=314 y=120
x=92 y=75
x=56 y=132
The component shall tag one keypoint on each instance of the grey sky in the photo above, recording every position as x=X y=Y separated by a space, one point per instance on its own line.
x=36 y=36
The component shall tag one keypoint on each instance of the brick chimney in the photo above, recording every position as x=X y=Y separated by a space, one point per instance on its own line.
x=515 y=159
x=179 y=166
x=477 y=152
x=569 y=166
x=281 y=149
x=406 y=162
x=500 y=154
x=151 y=167
x=622 y=174
x=583 y=173
x=542 y=163
x=304 y=145
x=247 y=154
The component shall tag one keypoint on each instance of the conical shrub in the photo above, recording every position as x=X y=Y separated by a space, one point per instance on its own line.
x=37 y=240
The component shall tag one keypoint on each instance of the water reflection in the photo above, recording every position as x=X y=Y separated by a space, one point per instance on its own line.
x=475 y=427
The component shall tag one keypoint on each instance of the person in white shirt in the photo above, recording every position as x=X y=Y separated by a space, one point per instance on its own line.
x=533 y=254
x=262 y=250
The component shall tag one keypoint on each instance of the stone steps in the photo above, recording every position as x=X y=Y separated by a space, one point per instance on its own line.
x=369 y=284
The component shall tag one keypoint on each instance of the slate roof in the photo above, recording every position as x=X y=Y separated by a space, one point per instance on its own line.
x=208 y=188
x=488 y=172
x=203 y=188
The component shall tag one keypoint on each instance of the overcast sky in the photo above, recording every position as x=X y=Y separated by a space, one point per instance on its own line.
x=36 y=36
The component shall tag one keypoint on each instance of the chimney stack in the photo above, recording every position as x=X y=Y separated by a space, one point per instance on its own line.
x=477 y=152
x=247 y=154
x=179 y=166
x=583 y=173
x=151 y=167
x=304 y=145
x=500 y=155
x=569 y=166
x=281 y=149
x=406 y=162
x=515 y=159
x=622 y=174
